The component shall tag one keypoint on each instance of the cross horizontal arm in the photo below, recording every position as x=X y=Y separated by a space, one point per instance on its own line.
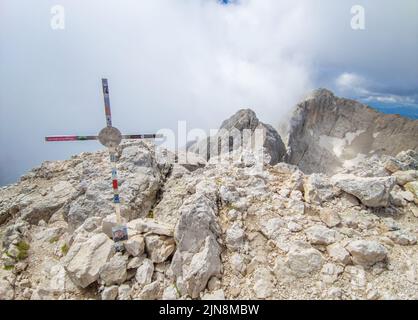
x=70 y=138
x=142 y=136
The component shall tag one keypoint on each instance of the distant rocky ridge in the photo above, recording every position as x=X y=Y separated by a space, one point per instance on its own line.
x=221 y=228
x=328 y=133
x=231 y=131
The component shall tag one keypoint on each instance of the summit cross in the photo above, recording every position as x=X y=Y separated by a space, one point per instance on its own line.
x=110 y=137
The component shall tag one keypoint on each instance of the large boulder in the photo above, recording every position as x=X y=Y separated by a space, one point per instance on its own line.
x=159 y=248
x=263 y=283
x=141 y=177
x=144 y=272
x=85 y=260
x=233 y=134
x=197 y=257
x=6 y=287
x=303 y=259
x=404 y=177
x=41 y=205
x=371 y=191
x=318 y=189
x=413 y=188
x=235 y=237
x=148 y=225
x=367 y=253
x=135 y=245
x=338 y=253
x=321 y=235
x=114 y=271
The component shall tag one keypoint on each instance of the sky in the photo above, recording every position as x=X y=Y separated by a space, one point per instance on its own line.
x=193 y=60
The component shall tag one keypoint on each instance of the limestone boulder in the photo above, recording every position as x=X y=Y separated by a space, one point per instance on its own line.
x=303 y=259
x=84 y=261
x=366 y=252
x=114 y=271
x=371 y=191
x=159 y=248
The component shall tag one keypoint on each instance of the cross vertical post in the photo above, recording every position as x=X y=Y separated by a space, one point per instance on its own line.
x=116 y=200
x=108 y=113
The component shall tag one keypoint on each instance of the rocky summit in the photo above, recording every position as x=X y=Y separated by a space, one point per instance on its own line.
x=327 y=133
x=330 y=213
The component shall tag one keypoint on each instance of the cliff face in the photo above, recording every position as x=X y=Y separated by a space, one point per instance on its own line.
x=328 y=133
x=229 y=227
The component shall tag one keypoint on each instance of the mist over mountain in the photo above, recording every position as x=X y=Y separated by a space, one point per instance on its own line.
x=198 y=61
x=326 y=211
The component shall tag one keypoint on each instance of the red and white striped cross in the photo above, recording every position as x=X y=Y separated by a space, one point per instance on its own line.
x=110 y=137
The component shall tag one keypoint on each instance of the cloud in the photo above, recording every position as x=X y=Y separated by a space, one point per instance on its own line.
x=351 y=84
x=357 y=86
x=170 y=60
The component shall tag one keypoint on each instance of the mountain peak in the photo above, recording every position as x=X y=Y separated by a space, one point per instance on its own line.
x=319 y=94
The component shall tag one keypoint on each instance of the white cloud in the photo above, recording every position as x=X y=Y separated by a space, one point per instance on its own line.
x=357 y=86
x=351 y=84
x=170 y=60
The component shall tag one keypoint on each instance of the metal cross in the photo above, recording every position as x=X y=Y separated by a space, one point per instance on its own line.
x=110 y=137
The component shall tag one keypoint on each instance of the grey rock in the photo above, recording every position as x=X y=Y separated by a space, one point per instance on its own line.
x=318 y=189
x=303 y=259
x=271 y=228
x=371 y=191
x=135 y=262
x=412 y=187
x=159 y=248
x=110 y=293
x=238 y=263
x=114 y=271
x=6 y=290
x=144 y=272
x=294 y=227
x=147 y=225
x=214 y=284
x=402 y=237
x=330 y=272
x=197 y=257
x=150 y=291
x=124 y=292
x=397 y=196
x=202 y=266
x=135 y=245
x=235 y=237
x=339 y=254
x=84 y=261
x=263 y=283
x=393 y=165
x=366 y=253
x=330 y=217
x=231 y=131
x=403 y=177
x=321 y=235
x=215 y=295
x=170 y=293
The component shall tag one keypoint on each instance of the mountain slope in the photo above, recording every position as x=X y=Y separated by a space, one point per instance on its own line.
x=229 y=228
x=327 y=133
